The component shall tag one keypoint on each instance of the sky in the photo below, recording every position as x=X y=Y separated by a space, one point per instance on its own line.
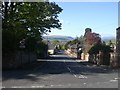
x=101 y=17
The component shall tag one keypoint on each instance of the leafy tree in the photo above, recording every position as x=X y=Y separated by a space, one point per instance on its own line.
x=96 y=48
x=77 y=40
x=41 y=50
x=67 y=44
x=27 y=21
x=56 y=42
x=100 y=52
x=100 y=47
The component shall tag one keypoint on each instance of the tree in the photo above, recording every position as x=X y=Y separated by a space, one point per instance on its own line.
x=56 y=42
x=101 y=52
x=27 y=21
x=67 y=45
x=77 y=40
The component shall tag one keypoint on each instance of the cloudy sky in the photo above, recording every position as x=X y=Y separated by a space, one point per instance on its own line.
x=101 y=17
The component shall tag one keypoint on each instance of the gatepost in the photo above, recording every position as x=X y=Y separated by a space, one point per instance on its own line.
x=118 y=46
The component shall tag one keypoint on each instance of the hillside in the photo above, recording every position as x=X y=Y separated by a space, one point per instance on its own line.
x=107 y=38
x=64 y=39
x=58 y=37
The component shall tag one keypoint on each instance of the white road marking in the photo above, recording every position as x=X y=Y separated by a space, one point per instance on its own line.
x=75 y=75
x=80 y=76
x=57 y=85
x=113 y=80
x=56 y=60
x=32 y=75
x=116 y=78
x=51 y=85
x=33 y=86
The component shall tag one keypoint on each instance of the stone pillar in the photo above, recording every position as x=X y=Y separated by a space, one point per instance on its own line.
x=118 y=46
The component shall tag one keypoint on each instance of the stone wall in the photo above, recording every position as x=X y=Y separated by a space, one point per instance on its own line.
x=113 y=60
x=18 y=59
x=118 y=46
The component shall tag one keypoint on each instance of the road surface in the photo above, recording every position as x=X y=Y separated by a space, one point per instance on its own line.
x=61 y=71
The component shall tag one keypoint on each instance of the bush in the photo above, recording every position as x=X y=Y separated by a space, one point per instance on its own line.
x=41 y=50
x=100 y=47
x=94 y=51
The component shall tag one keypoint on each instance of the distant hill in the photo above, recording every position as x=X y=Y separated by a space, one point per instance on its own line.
x=65 y=39
x=107 y=38
x=58 y=37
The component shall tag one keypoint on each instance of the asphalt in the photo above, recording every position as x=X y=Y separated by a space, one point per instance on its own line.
x=61 y=71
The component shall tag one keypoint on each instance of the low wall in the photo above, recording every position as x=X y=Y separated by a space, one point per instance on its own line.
x=18 y=59
x=114 y=62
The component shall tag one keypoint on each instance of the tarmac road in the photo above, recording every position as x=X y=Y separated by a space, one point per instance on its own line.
x=61 y=71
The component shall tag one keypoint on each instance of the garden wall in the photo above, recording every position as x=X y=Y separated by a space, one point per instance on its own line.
x=18 y=59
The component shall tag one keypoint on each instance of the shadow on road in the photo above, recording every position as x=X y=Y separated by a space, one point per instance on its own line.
x=53 y=67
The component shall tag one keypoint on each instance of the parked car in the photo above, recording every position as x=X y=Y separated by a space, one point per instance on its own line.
x=50 y=48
